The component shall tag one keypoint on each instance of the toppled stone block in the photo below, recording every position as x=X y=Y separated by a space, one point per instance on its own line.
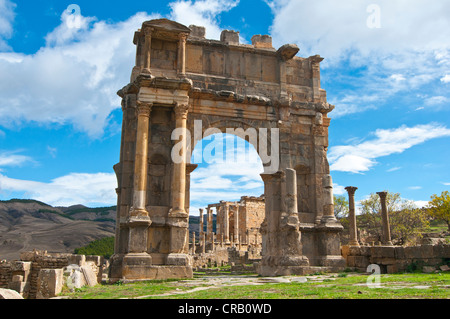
x=444 y=268
x=9 y=294
x=89 y=275
x=428 y=269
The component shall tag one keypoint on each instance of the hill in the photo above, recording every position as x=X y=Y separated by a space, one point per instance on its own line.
x=29 y=224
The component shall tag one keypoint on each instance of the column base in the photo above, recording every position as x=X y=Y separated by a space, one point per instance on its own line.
x=333 y=262
x=178 y=260
x=283 y=266
x=353 y=243
x=178 y=213
x=138 y=267
x=134 y=265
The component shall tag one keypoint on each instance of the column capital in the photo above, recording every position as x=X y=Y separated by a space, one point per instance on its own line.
x=181 y=111
x=148 y=31
x=183 y=36
x=143 y=108
x=351 y=190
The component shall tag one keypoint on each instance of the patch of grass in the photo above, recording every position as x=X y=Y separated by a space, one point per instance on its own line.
x=352 y=286
x=122 y=290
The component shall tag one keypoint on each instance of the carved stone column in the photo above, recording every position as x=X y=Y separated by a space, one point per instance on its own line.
x=386 y=239
x=178 y=218
x=226 y=224
x=182 y=54
x=147 y=51
x=179 y=168
x=140 y=161
x=236 y=224
x=352 y=216
x=200 y=224
x=209 y=225
x=139 y=221
x=328 y=201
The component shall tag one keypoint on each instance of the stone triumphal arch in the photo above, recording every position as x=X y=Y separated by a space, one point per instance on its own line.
x=181 y=79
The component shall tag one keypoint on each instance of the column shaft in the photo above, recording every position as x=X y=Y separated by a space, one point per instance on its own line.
x=147 y=50
x=182 y=55
x=179 y=167
x=236 y=224
x=226 y=225
x=209 y=225
x=386 y=240
x=353 y=241
x=140 y=162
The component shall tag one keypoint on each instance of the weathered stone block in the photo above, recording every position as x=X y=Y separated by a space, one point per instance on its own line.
x=413 y=252
x=230 y=37
x=400 y=252
x=426 y=251
x=79 y=260
x=9 y=294
x=21 y=266
x=50 y=283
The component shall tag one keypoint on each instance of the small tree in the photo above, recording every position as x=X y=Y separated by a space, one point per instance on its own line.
x=407 y=222
x=340 y=206
x=439 y=207
x=371 y=212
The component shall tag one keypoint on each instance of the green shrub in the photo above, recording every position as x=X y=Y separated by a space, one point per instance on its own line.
x=101 y=247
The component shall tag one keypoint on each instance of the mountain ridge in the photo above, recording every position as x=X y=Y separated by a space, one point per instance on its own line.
x=27 y=224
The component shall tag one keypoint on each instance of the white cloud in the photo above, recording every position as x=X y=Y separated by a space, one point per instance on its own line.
x=361 y=157
x=6 y=19
x=415 y=187
x=421 y=203
x=75 y=188
x=229 y=179
x=202 y=13
x=11 y=158
x=336 y=28
x=446 y=78
x=393 y=169
x=73 y=79
x=446 y=184
x=436 y=100
x=409 y=50
x=338 y=189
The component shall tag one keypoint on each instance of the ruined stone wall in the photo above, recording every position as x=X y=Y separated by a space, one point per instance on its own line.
x=254 y=216
x=217 y=257
x=393 y=259
x=23 y=275
x=5 y=274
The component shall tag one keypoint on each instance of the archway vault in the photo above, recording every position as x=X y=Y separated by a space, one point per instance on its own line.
x=182 y=79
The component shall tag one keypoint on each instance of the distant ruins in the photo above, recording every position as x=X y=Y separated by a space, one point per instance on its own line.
x=181 y=78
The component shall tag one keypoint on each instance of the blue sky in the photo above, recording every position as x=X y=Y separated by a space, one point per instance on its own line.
x=386 y=69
